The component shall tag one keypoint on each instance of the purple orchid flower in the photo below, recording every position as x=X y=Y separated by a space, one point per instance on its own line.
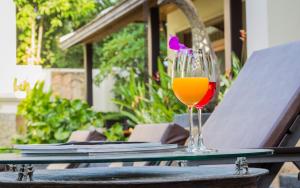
x=175 y=44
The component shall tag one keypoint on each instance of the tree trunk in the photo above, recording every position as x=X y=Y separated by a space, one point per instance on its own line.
x=32 y=49
x=39 y=44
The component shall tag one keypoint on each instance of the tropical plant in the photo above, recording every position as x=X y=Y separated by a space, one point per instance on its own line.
x=52 y=119
x=23 y=86
x=152 y=102
x=115 y=133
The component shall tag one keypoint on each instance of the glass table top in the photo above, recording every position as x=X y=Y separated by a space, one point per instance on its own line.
x=172 y=155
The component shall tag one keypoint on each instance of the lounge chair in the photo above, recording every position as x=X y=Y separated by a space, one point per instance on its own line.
x=261 y=110
x=79 y=136
x=165 y=133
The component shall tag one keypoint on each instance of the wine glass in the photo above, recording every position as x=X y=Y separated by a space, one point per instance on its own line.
x=211 y=67
x=190 y=84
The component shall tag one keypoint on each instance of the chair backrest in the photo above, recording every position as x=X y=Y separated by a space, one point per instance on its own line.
x=87 y=135
x=166 y=133
x=262 y=102
x=79 y=136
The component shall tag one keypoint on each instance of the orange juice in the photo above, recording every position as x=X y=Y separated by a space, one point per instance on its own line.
x=190 y=90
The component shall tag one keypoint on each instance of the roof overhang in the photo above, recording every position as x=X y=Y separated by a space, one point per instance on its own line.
x=112 y=20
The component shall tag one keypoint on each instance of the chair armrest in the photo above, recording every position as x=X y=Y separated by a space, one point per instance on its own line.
x=285 y=150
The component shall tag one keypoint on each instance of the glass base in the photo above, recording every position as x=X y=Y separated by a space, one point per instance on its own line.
x=202 y=148
x=191 y=145
x=191 y=150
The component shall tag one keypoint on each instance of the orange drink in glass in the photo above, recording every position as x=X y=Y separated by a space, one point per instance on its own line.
x=190 y=90
x=190 y=84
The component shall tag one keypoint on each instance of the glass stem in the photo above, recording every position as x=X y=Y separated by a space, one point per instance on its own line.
x=191 y=142
x=200 y=136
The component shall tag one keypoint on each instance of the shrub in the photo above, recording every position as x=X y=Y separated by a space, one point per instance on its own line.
x=52 y=119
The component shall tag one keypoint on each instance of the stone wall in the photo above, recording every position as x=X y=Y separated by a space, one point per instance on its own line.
x=7 y=129
x=68 y=84
x=8 y=119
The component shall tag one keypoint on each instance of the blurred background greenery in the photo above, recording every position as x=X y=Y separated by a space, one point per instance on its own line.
x=51 y=119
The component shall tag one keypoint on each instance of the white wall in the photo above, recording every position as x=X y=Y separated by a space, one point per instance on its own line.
x=257 y=25
x=284 y=16
x=271 y=22
x=8 y=101
x=7 y=46
x=103 y=94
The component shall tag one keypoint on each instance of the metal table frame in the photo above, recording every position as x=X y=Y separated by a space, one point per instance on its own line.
x=237 y=157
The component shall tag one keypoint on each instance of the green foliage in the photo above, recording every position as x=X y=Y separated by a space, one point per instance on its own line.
x=227 y=80
x=120 y=52
x=115 y=133
x=40 y=23
x=72 y=57
x=7 y=150
x=24 y=86
x=148 y=103
x=52 y=120
x=123 y=56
